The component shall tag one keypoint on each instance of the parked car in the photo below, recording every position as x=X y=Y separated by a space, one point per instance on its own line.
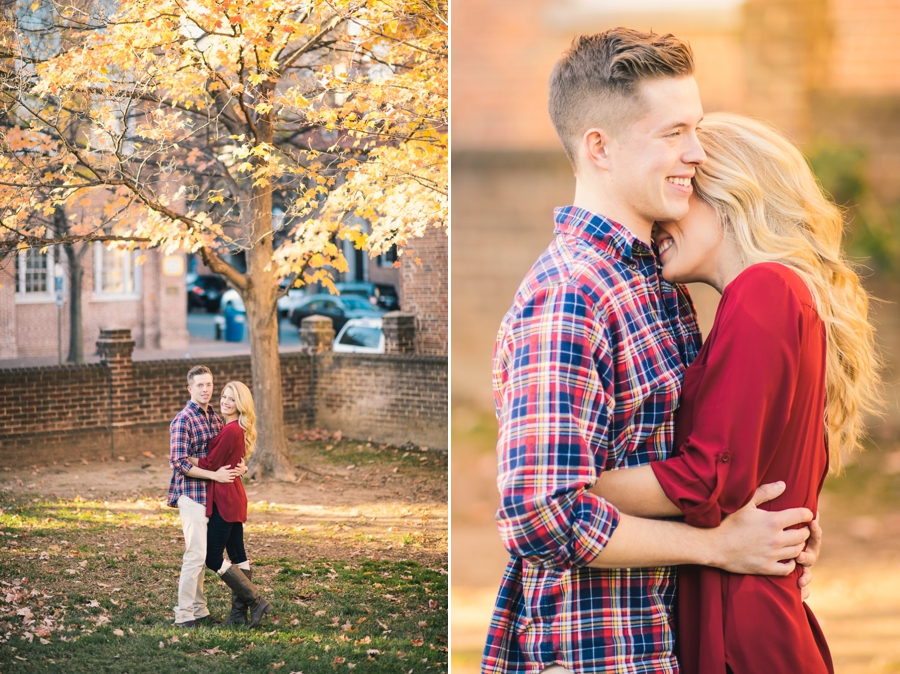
x=382 y=295
x=233 y=298
x=360 y=335
x=338 y=309
x=205 y=292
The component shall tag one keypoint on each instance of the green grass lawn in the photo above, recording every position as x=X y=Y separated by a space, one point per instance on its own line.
x=89 y=587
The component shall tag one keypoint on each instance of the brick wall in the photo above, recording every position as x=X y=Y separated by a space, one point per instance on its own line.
x=424 y=290
x=391 y=398
x=63 y=412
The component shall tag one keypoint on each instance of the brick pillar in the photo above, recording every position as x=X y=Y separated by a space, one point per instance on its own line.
x=399 y=332
x=316 y=334
x=115 y=348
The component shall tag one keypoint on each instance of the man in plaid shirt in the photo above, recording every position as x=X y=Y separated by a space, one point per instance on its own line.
x=189 y=435
x=587 y=372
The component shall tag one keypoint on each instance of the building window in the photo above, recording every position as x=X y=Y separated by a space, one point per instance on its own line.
x=116 y=273
x=389 y=258
x=34 y=276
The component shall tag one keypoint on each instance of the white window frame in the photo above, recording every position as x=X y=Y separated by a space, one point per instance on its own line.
x=48 y=296
x=130 y=265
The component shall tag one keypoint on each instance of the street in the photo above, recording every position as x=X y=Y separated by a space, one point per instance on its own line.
x=202 y=325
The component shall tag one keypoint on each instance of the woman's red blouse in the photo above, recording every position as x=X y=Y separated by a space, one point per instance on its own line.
x=226 y=449
x=752 y=412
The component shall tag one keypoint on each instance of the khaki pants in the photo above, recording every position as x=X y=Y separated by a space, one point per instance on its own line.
x=556 y=669
x=191 y=600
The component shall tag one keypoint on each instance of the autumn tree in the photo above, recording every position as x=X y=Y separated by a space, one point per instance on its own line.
x=184 y=124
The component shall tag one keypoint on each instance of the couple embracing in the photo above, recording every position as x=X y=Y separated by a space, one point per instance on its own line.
x=207 y=453
x=635 y=464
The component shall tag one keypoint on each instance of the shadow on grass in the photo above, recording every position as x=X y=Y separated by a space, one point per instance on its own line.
x=89 y=589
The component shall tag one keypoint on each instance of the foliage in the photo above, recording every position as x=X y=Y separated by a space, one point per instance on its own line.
x=171 y=123
x=874 y=229
x=276 y=127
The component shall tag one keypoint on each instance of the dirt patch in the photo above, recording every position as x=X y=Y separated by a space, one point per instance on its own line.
x=351 y=498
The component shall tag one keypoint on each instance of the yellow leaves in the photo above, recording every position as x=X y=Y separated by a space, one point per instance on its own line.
x=216 y=199
x=257 y=78
x=263 y=108
x=245 y=166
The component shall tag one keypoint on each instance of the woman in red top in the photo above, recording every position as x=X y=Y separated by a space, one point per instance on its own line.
x=226 y=505
x=775 y=394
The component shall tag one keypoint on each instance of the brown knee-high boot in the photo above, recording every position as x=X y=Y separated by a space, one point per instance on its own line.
x=246 y=592
x=238 y=615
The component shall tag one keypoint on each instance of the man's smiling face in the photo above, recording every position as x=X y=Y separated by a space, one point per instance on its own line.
x=201 y=388
x=653 y=159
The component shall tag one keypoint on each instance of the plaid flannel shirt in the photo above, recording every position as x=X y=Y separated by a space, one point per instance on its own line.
x=587 y=375
x=189 y=435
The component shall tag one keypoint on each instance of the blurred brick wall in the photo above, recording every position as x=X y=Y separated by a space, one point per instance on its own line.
x=424 y=290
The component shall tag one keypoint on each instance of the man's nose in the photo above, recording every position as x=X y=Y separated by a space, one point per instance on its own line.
x=694 y=152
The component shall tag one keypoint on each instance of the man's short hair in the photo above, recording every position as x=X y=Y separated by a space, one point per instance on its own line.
x=596 y=82
x=195 y=371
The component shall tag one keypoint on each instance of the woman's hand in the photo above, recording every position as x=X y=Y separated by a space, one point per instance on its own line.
x=809 y=556
x=193 y=460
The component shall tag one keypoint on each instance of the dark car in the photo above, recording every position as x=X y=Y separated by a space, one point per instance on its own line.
x=339 y=309
x=382 y=295
x=205 y=292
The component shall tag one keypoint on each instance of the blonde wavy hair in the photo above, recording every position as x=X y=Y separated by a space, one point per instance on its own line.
x=243 y=400
x=772 y=207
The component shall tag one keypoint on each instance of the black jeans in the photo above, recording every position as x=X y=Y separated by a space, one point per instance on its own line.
x=221 y=536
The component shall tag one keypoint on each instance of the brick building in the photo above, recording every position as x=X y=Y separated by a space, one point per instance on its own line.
x=142 y=291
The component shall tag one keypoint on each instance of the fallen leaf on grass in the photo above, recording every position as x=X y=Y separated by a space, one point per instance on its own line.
x=212 y=651
x=44 y=641
x=174 y=640
x=373 y=651
x=119 y=633
x=161 y=644
x=418 y=642
x=277 y=665
x=338 y=660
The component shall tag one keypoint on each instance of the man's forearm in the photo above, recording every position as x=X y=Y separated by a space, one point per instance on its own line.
x=201 y=473
x=635 y=491
x=750 y=541
x=638 y=542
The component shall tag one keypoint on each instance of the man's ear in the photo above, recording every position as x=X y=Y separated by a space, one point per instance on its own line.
x=595 y=146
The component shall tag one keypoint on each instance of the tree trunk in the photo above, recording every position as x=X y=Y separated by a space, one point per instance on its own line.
x=271 y=457
x=76 y=328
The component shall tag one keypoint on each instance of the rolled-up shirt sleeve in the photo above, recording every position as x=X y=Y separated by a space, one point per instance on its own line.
x=553 y=387
x=743 y=401
x=179 y=444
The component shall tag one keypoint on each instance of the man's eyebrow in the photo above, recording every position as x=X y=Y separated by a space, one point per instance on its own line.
x=683 y=125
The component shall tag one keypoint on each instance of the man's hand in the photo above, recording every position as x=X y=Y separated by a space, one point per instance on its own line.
x=809 y=556
x=753 y=541
x=225 y=474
